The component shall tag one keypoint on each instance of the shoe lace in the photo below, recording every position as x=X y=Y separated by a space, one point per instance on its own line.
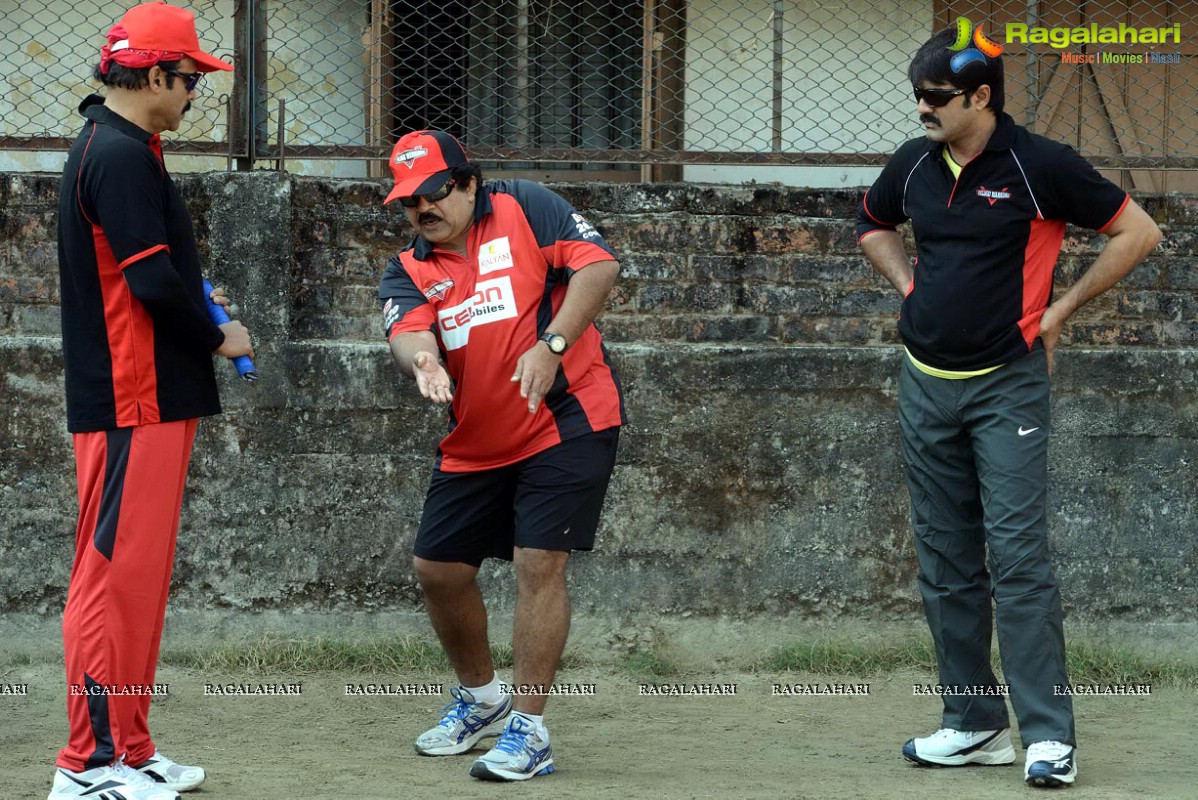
x=514 y=736
x=457 y=710
x=131 y=776
x=1048 y=751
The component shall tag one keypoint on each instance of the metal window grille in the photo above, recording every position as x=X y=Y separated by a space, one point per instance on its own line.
x=589 y=84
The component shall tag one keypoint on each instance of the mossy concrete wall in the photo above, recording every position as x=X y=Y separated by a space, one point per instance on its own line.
x=759 y=474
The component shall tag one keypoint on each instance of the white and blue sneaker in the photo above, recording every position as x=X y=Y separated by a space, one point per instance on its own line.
x=1050 y=764
x=464 y=722
x=948 y=747
x=522 y=752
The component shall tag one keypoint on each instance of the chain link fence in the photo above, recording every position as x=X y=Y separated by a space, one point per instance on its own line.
x=604 y=83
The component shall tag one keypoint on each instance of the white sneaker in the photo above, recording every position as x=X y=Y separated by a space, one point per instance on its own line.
x=521 y=753
x=463 y=723
x=116 y=782
x=1050 y=764
x=952 y=748
x=170 y=774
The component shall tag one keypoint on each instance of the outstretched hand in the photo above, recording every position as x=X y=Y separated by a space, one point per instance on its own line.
x=431 y=378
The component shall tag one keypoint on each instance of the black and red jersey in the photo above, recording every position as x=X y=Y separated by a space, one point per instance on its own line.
x=137 y=341
x=487 y=308
x=987 y=242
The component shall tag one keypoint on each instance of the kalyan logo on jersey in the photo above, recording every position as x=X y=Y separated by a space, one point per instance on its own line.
x=495 y=255
x=492 y=301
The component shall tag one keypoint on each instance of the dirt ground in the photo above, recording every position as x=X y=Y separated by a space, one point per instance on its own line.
x=616 y=744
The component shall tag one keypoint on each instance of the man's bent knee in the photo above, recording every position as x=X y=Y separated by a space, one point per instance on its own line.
x=437 y=576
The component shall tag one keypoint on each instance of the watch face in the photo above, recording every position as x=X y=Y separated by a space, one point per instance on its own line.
x=556 y=342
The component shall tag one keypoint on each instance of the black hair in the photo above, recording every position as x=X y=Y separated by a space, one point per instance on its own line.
x=461 y=176
x=133 y=78
x=931 y=63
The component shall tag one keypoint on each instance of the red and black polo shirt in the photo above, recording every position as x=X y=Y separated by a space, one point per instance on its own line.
x=137 y=340
x=488 y=308
x=987 y=242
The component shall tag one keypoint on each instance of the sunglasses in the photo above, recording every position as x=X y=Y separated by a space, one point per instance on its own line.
x=937 y=98
x=432 y=197
x=190 y=79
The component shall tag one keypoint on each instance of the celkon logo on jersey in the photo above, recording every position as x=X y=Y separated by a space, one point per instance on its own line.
x=495 y=255
x=492 y=301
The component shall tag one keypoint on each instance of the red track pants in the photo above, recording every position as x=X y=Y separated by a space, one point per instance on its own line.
x=130 y=491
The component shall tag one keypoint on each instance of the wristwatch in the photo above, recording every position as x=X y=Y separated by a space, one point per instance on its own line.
x=555 y=341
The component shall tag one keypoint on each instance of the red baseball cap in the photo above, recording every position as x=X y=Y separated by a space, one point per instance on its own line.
x=422 y=161
x=159 y=27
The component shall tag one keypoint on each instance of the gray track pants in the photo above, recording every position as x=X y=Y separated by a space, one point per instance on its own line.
x=976 y=457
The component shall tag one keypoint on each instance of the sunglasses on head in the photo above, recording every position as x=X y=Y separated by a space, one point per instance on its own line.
x=190 y=79
x=937 y=98
x=432 y=197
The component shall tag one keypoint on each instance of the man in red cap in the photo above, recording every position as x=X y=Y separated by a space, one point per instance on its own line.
x=137 y=347
x=491 y=309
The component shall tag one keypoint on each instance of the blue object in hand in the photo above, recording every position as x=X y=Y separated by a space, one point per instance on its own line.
x=216 y=313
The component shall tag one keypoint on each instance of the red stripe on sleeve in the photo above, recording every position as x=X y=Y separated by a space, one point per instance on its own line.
x=1111 y=221
x=865 y=207
x=133 y=259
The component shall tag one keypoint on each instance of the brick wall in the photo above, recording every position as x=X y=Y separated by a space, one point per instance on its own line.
x=759 y=473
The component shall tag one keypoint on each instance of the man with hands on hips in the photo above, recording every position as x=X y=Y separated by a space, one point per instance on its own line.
x=490 y=309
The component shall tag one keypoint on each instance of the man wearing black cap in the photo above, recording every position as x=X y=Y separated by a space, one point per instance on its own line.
x=137 y=347
x=491 y=309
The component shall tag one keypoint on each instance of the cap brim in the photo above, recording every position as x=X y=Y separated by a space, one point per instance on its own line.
x=419 y=185
x=209 y=63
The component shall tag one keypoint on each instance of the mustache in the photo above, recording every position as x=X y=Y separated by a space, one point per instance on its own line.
x=428 y=217
x=929 y=118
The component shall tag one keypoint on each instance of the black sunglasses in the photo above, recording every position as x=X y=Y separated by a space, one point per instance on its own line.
x=937 y=98
x=190 y=79
x=432 y=197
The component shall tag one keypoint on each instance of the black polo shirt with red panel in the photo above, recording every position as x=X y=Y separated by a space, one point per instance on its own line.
x=488 y=308
x=987 y=242
x=137 y=340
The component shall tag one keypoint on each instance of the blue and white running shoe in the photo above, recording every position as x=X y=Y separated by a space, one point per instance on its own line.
x=521 y=753
x=463 y=723
x=1050 y=764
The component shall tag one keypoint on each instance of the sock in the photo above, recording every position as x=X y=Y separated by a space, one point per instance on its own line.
x=488 y=694
x=537 y=720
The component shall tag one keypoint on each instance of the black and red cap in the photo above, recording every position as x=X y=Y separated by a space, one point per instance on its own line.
x=422 y=162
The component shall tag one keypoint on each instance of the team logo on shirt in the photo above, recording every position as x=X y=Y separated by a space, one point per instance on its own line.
x=492 y=301
x=495 y=255
x=994 y=195
x=437 y=290
x=390 y=314
x=408 y=157
x=585 y=229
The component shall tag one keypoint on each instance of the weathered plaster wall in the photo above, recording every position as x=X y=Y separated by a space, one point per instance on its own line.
x=759 y=474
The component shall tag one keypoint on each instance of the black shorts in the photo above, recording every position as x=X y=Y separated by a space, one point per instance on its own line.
x=549 y=501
